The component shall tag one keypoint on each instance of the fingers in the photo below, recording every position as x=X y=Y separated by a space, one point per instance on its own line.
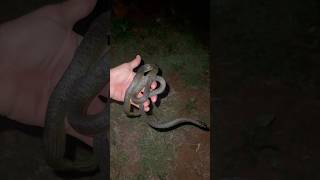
x=74 y=10
x=154 y=86
x=146 y=106
x=154 y=99
x=135 y=62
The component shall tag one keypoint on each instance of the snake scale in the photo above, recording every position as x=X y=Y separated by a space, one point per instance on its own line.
x=145 y=75
x=83 y=79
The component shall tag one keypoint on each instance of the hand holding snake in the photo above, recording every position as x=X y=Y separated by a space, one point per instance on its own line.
x=146 y=75
x=45 y=63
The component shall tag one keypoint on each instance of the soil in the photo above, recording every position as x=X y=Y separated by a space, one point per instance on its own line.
x=193 y=155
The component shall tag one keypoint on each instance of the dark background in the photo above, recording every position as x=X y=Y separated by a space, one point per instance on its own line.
x=265 y=93
x=188 y=14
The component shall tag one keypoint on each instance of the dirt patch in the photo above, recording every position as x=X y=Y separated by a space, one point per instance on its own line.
x=193 y=153
x=192 y=158
x=129 y=146
x=196 y=100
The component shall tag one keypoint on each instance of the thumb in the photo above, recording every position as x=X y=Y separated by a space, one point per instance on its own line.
x=74 y=10
x=135 y=62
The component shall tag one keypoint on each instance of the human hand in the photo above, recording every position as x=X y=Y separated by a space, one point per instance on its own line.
x=120 y=79
x=35 y=51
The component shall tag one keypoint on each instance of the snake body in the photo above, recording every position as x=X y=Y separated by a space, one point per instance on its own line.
x=145 y=75
x=83 y=79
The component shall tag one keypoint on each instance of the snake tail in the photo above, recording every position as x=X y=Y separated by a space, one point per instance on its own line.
x=176 y=122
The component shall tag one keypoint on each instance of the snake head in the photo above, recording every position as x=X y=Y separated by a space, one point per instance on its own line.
x=204 y=125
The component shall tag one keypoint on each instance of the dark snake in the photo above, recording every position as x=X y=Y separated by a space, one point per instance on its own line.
x=143 y=79
x=83 y=79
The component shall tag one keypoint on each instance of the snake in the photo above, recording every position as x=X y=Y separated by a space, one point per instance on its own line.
x=84 y=78
x=142 y=81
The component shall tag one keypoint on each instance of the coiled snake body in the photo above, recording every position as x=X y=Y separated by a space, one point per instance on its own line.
x=145 y=75
x=84 y=78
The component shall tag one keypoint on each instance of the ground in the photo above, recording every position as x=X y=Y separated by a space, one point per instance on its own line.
x=139 y=152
